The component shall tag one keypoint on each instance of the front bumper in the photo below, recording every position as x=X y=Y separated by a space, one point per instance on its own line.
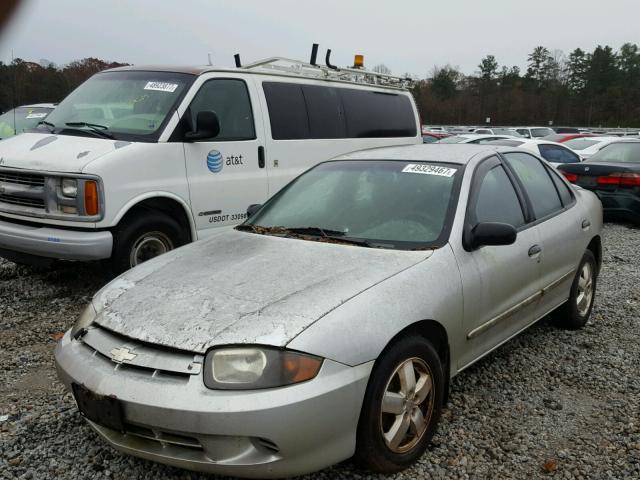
x=45 y=241
x=177 y=421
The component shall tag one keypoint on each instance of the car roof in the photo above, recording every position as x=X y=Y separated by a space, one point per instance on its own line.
x=460 y=153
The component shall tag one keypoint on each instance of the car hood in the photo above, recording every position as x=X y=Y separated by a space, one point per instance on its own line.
x=241 y=288
x=54 y=153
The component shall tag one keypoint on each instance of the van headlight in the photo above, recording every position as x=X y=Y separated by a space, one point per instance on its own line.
x=248 y=368
x=86 y=319
x=70 y=187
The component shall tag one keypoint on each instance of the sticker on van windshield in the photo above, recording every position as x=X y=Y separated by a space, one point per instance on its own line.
x=429 y=170
x=36 y=115
x=161 y=86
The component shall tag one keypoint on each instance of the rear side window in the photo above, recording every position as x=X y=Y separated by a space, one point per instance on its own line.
x=497 y=199
x=557 y=154
x=563 y=190
x=299 y=111
x=229 y=98
x=537 y=183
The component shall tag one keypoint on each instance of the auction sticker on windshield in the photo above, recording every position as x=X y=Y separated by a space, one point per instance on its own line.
x=429 y=170
x=161 y=86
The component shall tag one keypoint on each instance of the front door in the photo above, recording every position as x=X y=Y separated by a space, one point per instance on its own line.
x=501 y=284
x=226 y=173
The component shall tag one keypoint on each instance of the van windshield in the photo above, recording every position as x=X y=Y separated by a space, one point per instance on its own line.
x=128 y=105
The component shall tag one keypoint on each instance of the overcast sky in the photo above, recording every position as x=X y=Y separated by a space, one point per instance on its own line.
x=406 y=35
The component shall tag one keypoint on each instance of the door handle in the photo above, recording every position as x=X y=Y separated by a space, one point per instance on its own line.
x=261 y=162
x=535 y=250
x=586 y=224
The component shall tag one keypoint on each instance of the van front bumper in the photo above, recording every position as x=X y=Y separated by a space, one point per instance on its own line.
x=53 y=243
x=176 y=420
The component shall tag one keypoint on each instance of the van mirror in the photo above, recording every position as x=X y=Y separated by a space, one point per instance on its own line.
x=493 y=233
x=207 y=126
x=251 y=209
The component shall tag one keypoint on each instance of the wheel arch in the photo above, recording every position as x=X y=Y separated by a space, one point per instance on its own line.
x=595 y=246
x=164 y=202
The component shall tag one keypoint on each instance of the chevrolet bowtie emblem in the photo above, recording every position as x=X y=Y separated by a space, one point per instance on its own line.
x=122 y=354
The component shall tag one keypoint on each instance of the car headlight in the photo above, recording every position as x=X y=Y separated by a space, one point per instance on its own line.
x=248 y=368
x=70 y=187
x=86 y=318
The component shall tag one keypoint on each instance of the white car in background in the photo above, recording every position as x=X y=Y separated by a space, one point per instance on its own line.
x=535 y=132
x=588 y=146
x=511 y=132
x=554 y=153
x=474 y=138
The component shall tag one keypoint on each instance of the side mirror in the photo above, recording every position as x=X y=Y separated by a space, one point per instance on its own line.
x=251 y=209
x=207 y=126
x=493 y=233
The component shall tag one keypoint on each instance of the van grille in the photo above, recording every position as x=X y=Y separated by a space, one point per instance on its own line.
x=30 y=179
x=21 y=201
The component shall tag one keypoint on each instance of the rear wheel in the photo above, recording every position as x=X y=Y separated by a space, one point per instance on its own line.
x=401 y=407
x=575 y=313
x=146 y=234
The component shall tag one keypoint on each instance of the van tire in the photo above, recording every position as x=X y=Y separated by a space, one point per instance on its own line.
x=142 y=235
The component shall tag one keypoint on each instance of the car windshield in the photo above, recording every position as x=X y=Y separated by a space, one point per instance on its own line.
x=622 y=152
x=377 y=203
x=21 y=119
x=580 y=143
x=127 y=105
x=541 y=132
x=454 y=139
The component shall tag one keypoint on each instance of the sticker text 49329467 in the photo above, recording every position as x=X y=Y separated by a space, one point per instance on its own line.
x=424 y=169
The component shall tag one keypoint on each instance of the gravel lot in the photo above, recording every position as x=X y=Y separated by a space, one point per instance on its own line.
x=550 y=403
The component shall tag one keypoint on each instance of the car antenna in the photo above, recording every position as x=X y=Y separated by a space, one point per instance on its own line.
x=327 y=60
x=314 y=54
x=236 y=57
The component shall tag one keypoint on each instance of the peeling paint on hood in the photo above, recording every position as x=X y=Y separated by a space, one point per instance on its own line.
x=53 y=153
x=240 y=287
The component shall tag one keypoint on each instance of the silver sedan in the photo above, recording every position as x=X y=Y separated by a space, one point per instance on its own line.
x=329 y=324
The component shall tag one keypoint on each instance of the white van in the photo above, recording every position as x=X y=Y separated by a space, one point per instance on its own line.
x=140 y=160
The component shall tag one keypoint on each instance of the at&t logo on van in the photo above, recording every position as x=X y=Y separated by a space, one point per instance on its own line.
x=214 y=161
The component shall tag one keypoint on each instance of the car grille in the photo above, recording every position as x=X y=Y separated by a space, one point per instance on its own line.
x=163 y=438
x=32 y=180
x=22 y=201
x=19 y=189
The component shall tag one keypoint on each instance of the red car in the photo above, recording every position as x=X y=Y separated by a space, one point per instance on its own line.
x=563 y=137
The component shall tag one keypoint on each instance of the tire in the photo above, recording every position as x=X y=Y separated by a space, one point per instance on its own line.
x=374 y=451
x=144 y=234
x=575 y=313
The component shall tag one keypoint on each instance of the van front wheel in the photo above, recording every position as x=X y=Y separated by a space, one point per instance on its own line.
x=145 y=234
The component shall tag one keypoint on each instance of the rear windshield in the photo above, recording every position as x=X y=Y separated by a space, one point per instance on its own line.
x=580 y=143
x=623 y=152
x=541 y=132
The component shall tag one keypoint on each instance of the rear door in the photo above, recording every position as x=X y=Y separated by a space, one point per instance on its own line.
x=559 y=224
x=226 y=173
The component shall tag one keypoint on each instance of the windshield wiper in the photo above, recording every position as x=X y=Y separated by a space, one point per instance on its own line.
x=99 y=130
x=246 y=228
x=48 y=124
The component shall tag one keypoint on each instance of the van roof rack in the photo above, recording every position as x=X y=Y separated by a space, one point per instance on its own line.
x=351 y=75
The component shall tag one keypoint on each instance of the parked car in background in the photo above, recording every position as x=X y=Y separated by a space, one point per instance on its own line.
x=473 y=138
x=431 y=129
x=565 y=137
x=587 y=147
x=566 y=130
x=613 y=173
x=554 y=153
x=534 y=132
x=22 y=119
x=622 y=133
x=510 y=132
x=432 y=137
x=226 y=353
x=138 y=161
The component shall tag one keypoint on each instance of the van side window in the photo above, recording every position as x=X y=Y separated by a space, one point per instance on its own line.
x=375 y=114
x=229 y=98
x=299 y=111
x=287 y=111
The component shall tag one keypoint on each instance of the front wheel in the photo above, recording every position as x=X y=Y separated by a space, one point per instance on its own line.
x=401 y=407
x=144 y=235
x=575 y=313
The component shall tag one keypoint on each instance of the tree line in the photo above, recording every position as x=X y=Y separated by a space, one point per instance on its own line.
x=598 y=88
x=595 y=89
x=23 y=82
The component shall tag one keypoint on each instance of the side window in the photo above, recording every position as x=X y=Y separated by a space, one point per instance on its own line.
x=326 y=119
x=376 y=114
x=497 y=199
x=229 y=98
x=287 y=111
x=563 y=189
x=537 y=183
x=557 y=154
x=524 y=132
